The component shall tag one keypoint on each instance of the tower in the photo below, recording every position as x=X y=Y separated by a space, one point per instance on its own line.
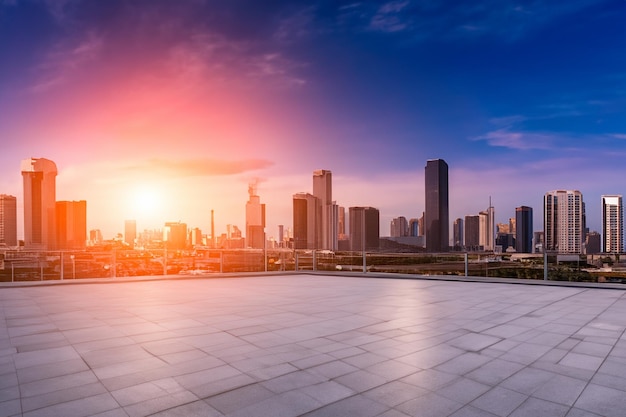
x=458 y=233
x=255 y=219
x=612 y=224
x=364 y=228
x=564 y=221
x=327 y=209
x=130 y=232
x=8 y=220
x=305 y=221
x=71 y=224
x=472 y=234
x=524 y=229
x=436 y=214
x=39 y=176
x=487 y=230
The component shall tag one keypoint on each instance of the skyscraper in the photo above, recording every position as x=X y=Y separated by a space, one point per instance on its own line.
x=487 y=231
x=564 y=221
x=305 y=221
x=71 y=225
x=39 y=176
x=255 y=220
x=436 y=214
x=472 y=234
x=364 y=228
x=327 y=209
x=458 y=233
x=8 y=220
x=612 y=224
x=399 y=227
x=130 y=232
x=524 y=229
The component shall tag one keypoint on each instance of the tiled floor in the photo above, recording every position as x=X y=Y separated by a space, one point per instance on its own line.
x=312 y=345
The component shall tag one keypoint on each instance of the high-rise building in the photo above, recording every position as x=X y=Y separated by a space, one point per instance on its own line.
x=364 y=228
x=8 y=220
x=341 y=223
x=472 y=232
x=71 y=225
x=175 y=235
x=414 y=228
x=457 y=233
x=399 y=227
x=305 y=221
x=195 y=236
x=436 y=217
x=593 y=243
x=487 y=233
x=327 y=209
x=420 y=224
x=612 y=224
x=39 y=176
x=255 y=220
x=523 y=229
x=564 y=221
x=130 y=233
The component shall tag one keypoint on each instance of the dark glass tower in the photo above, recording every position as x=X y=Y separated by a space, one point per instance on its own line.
x=524 y=229
x=436 y=215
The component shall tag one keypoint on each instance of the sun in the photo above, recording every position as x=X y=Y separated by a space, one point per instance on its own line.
x=146 y=201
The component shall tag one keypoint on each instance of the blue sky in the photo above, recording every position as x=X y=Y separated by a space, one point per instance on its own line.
x=189 y=101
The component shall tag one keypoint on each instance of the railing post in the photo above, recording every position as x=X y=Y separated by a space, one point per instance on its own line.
x=221 y=261
x=297 y=262
x=62 y=271
x=314 y=260
x=466 y=264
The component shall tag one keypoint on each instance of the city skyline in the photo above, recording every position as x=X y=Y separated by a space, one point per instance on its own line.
x=159 y=111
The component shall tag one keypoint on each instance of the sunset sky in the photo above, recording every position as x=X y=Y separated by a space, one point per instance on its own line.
x=161 y=110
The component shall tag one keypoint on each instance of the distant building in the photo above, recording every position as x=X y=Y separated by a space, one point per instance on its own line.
x=305 y=221
x=457 y=234
x=472 y=233
x=130 y=233
x=95 y=237
x=422 y=229
x=399 y=227
x=364 y=228
x=71 y=225
x=564 y=221
x=175 y=235
x=255 y=220
x=593 y=243
x=505 y=241
x=341 y=223
x=436 y=216
x=414 y=228
x=8 y=220
x=612 y=224
x=195 y=237
x=539 y=243
x=523 y=229
x=486 y=231
x=39 y=176
x=327 y=217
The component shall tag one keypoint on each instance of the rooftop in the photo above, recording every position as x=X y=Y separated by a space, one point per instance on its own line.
x=314 y=345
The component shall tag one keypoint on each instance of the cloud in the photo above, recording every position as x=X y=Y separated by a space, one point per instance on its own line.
x=517 y=139
x=619 y=135
x=389 y=17
x=196 y=167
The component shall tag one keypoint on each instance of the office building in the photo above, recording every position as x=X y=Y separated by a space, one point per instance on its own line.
x=364 y=228
x=255 y=220
x=564 y=221
x=399 y=227
x=457 y=234
x=327 y=221
x=175 y=235
x=8 y=220
x=305 y=221
x=341 y=223
x=523 y=229
x=195 y=237
x=593 y=243
x=130 y=233
x=39 y=175
x=487 y=233
x=436 y=217
x=472 y=233
x=414 y=227
x=71 y=225
x=612 y=224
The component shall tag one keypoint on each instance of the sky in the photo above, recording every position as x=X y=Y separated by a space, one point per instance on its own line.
x=160 y=111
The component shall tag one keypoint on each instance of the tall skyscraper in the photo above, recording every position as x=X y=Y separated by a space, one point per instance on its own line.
x=436 y=217
x=305 y=217
x=564 y=221
x=458 y=233
x=472 y=232
x=523 y=229
x=71 y=225
x=130 y=232
x=39 y=176
x=487 y=232
x=8 y=220
x=612 y=224
x=327 y=209
x=364 y=228
x=399 y=227
x=175 y=235
x=255 y=220
x=414 y=229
